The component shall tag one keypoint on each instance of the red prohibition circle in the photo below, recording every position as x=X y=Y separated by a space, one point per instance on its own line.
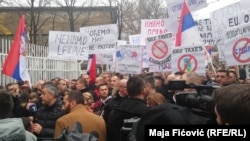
x=237 y=58
x=163 y=49
x=191 y=57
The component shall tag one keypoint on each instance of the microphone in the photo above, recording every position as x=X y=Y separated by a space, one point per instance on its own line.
x=95 y=134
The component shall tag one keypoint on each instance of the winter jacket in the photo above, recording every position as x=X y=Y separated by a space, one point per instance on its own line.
x=12 y=129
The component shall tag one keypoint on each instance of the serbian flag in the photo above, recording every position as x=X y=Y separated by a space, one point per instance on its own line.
x=208 y=53
x=91 y=69
x=187 y=33
x=15 y=63
x=209 y=49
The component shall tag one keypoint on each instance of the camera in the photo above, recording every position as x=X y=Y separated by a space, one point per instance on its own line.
x=200 y=102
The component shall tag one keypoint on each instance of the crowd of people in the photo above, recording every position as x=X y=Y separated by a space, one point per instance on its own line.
x=46 y=108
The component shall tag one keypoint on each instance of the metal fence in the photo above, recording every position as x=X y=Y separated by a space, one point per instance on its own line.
x=39 y=66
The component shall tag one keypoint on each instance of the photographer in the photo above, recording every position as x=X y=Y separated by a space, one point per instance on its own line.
x=232 y=104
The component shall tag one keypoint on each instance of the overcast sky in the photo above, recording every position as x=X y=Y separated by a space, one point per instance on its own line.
x=213 y=5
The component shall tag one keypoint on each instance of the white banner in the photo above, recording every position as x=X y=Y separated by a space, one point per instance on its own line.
x=205 y=28
x=68 y=45
x=237 y=45
x=104 y=38
x=159 y=48
x=139 y=40
x=128 y=59
x=189 y=58
x=152 y=27
x=222 y=19
x=108 y=58
x=175 y=6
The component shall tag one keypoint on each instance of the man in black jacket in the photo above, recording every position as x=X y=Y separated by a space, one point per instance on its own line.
x=46 y=116
x=116 y=99
x=133 y=106
x=82 y=86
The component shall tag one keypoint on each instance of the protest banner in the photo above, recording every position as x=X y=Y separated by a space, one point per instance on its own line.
x=108 y=58
x=68 y=45
x=139 y=40
x=205 y=29
x=237 y=45
x=103 y=38
x=136 y=39
x=153 y=27
x=222 y=19
x=128 y=59
x=188 y=58
x=159 y=48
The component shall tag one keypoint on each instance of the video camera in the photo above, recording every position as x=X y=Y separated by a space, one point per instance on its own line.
x=200 y=102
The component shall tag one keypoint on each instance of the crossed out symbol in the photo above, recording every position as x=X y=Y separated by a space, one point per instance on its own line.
x=159 y=49
x=238 y=57
x=188 y=60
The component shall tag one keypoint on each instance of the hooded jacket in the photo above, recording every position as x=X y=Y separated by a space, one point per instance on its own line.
x=12 y=129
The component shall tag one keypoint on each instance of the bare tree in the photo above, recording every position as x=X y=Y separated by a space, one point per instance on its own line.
x=35 y=16
x=112 y=13
x=143 y=9
x=73 y=14
x=130 y=13
x=123 y=7
x=152 y=9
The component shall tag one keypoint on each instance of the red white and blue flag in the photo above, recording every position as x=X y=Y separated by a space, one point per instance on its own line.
x=91 y=69
x=209 y=49
x=208 y=53
x=15 y=63
x=187 y=33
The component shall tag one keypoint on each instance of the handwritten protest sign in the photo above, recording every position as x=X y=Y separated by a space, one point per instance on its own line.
x=237 y=45
x=221 y=19
x=175 y=6
x=68 y=45
x=189 y=58
x=103 y=38
x=139 y=40
x=152 y=27
x=128 y=59
x=236 y=31
x=108 y=58
x=136 y=39
x=205 y=28
x=159 y=48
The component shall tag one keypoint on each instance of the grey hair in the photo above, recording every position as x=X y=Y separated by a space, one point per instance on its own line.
x=52 y=88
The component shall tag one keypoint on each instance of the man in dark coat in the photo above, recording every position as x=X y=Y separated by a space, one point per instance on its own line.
x=133 y=106
x=46 y=116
